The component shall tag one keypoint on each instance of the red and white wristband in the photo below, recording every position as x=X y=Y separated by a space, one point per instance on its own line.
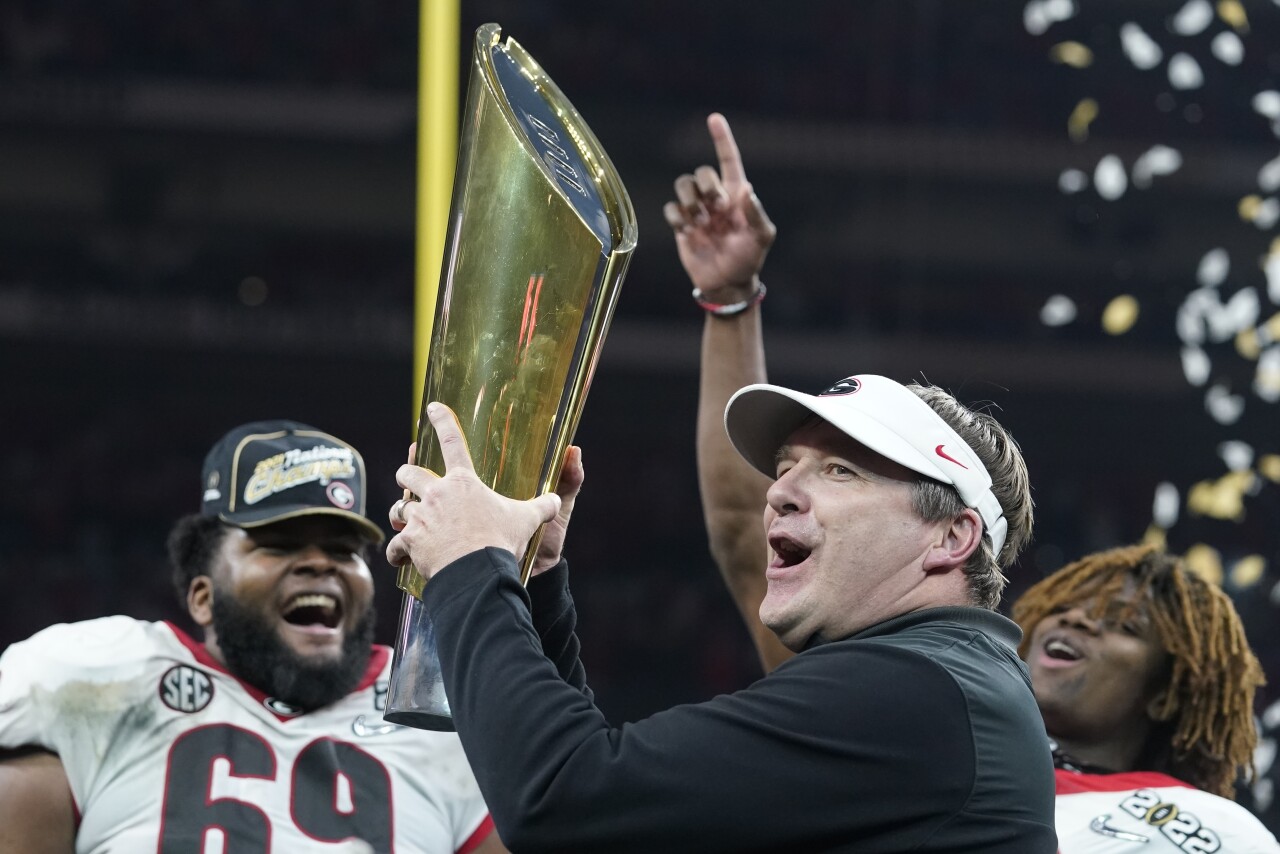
x=730 y=309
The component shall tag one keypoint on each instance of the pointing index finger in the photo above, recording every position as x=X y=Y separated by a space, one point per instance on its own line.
x=731 y=171
x=453 y=445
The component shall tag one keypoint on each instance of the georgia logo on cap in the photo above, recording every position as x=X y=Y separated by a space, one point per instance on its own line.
x=848 y=385
x=341 y=495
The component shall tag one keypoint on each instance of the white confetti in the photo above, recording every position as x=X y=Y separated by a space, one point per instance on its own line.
x=1073 y=180
x=1109 y=178
x=1192 y=18
x=1240 y=312
x=1141 y=49
x=1267 y=103
x=1228 y=48
x=1058 y=310
x=1195 y=366
x=1039 y=15
x=1267 y=214
x=1184 y=72
x=1190 y=321
x=1164 y=507
x=1223 y=406
x=1236 y=454
x=1157 y=160
x=1269 y=176
x=1214 y=266
x=1272 y=268
x=1202 y=314
x=1266 y=379
x=1034 y=18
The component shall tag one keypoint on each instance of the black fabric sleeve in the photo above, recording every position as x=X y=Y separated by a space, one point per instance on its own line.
x=833 y=745
x=556 y=620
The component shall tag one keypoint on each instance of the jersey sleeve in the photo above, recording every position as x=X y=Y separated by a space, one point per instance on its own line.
x=64 y=687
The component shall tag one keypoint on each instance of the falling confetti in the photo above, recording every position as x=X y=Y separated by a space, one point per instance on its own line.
x=1193 y=18
x=1269 y=467
x=1248 y=571
x=1195 y=365
x=1120 y=315
x=1141 y=49
x=1080 y=119
x=1039 y=15
x=1157 y=160
x=1073 y=181
x=1223 y=406
x=1227 y=321
x=1222 y=498
x=1267 y=103
x=1205 y=562
x=1233 y=13
x=1109 y=178
x=1261 y=212
x=1228 y=48
x=1184 y=72
x=1269 y=176
x=1214 y=266
x=1266 y=379
x=1164 y=507
x=1058 y=310
x=1237 y=455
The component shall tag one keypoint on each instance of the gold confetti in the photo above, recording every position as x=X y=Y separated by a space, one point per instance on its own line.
x=1269 y=467
x=1248 y=570
x=1080 y=119
x=1155 y=536
x=1232 y=12
x=1272 y=326
x=1247 y=344
x=1071 y=53
x=1223 y=498
x=1249 y=207
x=1120 y=315
x=1205 y=562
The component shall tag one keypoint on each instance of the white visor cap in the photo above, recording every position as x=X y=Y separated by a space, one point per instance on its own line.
x=886 y=416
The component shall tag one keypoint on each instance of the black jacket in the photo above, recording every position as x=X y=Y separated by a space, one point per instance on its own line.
x=917 y=734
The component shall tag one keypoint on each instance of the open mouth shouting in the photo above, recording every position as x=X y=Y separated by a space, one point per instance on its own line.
x=787 y=552
x=315 y=613
x=1060 y=650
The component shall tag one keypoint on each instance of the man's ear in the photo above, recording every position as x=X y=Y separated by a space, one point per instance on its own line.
x=956 y=541
x=200 y=600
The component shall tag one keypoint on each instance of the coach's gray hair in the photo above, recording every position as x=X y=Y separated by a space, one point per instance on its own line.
x=1000 y=454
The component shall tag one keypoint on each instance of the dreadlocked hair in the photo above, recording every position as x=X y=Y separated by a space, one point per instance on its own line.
x=1205 y=712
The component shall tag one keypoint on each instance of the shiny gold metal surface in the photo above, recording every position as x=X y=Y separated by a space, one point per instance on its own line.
x=541 y=231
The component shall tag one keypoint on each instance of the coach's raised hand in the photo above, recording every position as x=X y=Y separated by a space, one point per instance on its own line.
x=722 y=231
x=457 y=514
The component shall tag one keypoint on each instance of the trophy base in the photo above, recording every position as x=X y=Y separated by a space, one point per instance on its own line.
x=421 y=720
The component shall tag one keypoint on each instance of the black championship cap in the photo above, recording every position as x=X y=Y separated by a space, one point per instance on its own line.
x=269 y=471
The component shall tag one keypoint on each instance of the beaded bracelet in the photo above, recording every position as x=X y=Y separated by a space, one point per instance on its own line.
x=730 y=309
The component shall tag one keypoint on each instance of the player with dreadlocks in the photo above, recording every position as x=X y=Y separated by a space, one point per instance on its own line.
x=1145 y=681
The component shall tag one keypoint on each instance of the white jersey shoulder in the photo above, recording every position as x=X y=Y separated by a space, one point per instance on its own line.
x=1152 y=813
x=166 y=751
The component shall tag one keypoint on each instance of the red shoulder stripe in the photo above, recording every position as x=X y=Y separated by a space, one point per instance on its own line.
x=1074 y=782
x=480 y=834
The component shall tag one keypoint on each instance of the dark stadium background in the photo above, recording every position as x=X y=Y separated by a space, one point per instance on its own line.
x=206 y=217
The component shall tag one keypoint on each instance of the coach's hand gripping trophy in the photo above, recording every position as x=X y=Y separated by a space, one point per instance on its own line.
x=540 y=234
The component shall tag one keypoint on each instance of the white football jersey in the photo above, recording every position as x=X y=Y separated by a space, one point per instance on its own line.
x=167 y=752
x=1143 y=811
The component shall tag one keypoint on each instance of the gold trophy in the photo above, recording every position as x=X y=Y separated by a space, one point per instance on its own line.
x=540 y=234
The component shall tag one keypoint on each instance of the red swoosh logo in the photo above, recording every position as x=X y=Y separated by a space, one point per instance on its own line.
x=938 y=450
